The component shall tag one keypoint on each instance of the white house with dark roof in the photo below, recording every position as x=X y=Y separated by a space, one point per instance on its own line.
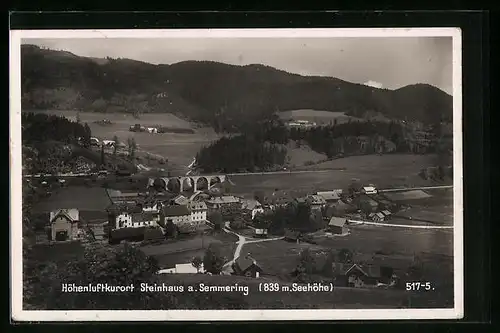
x=198 y=211
x=64 y=224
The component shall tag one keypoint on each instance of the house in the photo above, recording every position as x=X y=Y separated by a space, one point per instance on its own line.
x=246 y=266
x=369 y=190
x=108 y=143
x=177 y=214
x=150 y=207
x=292 y=236
x=330 y=196
x=377 y=217
x=368 y=275
x=387 y=214
x=253 y=206
x=64 y=224
x=198 y=211
x=316 y=201
x=94 y=141
x=338 y=225
x=260 y=232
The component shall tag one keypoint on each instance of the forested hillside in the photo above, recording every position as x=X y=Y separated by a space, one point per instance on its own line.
x=224 y=96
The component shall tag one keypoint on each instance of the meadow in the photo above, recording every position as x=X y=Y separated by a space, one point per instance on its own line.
x=317 y=116
x=383 y=171
x=178 y=148
x=92 y=199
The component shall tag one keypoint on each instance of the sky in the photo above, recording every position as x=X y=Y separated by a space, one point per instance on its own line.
x=382 y=62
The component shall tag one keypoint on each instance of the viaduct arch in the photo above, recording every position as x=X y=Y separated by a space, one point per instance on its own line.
x=187 y=183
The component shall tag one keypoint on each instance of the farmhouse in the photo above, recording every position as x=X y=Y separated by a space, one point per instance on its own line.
x=247 y=266
x=368 y=190
x=253 y=206
x=377 y=217
x=316 y=201
x=338 y=225
x=177 y=214
x=330 y=196
x=387 y=214
x=260 y=232
x=368 y=275
x=198 y=211
x=64 y=224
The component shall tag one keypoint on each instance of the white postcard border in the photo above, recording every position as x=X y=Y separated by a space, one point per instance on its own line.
x=16 y=283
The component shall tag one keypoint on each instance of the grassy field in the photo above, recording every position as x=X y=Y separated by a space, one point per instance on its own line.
x=317 y=116
x=182 y=251
x=383 y=171
x=81 y=197
x=177 y=148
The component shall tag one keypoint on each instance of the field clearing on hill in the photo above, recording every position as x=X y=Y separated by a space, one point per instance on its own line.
x=177 y=148
x=317 y=116
x=382 y=171
x=81 y=197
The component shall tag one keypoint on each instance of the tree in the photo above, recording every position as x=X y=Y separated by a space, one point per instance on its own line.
x=115 y=146
x=132 y=147
x=216 y=218
x=171 y=229
x=87 y=135
x=213 y=261
x=103 y=158
x=78 y=119
x=305 y=266
x=345 y=256
x=331 y=258
x=197 y=262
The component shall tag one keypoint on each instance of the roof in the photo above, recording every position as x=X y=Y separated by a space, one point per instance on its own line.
x=180 y=200
x=143 y=216
x=316 y=199
x=369 y=189
x=367 y=270
x=341 y=268
x=198 y=205
x=176 y=210
x=250 y=204
x=380 y=215
x=225 y=199
x=330 y=195
x=244 y=263
x=71 y=213
x=386 y=212
x=185 y=268
x=337 y=221
x=301 y=200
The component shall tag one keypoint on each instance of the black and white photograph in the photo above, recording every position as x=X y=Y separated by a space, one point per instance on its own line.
x=236 y=174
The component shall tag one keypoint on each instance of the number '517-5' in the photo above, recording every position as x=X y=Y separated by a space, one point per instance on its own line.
x=415 y=286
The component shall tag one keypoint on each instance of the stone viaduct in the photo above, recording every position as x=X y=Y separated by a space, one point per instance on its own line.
x=187 y=183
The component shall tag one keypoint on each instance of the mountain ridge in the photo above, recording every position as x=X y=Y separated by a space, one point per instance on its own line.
x=211 y=92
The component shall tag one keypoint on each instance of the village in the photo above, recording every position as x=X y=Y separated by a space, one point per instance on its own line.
x=158 y=216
